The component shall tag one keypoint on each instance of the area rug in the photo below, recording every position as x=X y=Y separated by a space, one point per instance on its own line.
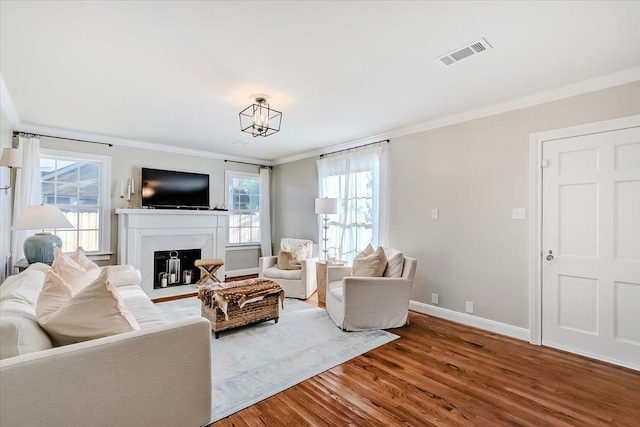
x=252 y=363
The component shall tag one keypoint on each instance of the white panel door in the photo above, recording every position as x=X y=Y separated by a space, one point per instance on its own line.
x=591 y=244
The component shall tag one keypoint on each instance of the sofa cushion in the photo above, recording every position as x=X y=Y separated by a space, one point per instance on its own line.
x=20 y=332
x=395 y=262
x=77 y=271
x=370 y=265
x=94 y=312
x=25 y=286
x=276 y=273
x=139 y=304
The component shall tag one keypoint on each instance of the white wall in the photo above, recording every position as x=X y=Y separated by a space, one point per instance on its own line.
x=475 y=173
x=6 y=135
x=126 y=162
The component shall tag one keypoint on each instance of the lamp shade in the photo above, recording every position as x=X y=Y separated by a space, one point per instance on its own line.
x=327 y=205
x=40 y=217
x=11 y=158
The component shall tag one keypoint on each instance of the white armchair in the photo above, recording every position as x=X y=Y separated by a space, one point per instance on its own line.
x=364 y=303
x=296 y=283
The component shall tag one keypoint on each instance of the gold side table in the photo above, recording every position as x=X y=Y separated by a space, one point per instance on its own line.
x=321 y=277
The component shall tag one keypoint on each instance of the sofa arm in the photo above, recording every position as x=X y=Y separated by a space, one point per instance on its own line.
x=308 y=267
x=266 y=262
x=159 y=376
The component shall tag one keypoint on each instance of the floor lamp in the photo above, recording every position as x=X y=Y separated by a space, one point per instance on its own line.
x=326 y=206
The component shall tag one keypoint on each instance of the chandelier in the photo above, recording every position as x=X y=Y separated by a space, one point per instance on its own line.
x=259 y=119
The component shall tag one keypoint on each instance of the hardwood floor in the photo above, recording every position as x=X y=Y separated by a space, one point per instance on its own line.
x=440 y=373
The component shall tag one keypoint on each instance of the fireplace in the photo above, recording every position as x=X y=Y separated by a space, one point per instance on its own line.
x=142 y=232
x=175 y=267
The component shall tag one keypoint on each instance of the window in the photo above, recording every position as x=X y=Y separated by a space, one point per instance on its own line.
x=358 y=181
x=243 y=201
x=78 y=185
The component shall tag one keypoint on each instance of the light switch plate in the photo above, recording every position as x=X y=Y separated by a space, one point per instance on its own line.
x=434 y=213
x=519 y=213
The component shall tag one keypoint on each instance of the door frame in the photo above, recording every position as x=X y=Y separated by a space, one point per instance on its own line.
x=535 y=203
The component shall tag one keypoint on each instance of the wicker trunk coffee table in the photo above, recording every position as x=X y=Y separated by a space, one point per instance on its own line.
x=231 y=305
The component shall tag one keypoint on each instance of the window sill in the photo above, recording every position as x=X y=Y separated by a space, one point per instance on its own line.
x=100 y=256
x=243 y=247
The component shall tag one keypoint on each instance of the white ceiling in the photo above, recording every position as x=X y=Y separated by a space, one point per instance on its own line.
x=178 y=73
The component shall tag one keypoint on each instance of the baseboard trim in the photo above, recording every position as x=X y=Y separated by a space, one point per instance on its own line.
x=242 y=272
x=467 y=319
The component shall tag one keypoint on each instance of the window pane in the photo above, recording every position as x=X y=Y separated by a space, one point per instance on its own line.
x=48 y=193
x=255 y=220
x=89 y=219
x=234 y=220
x=234 y=235
x=67 y=171
x=69 y=240
x=255 y=234
x=89 y=240
x=90 y=195
x=66 y=194
x=245 y=235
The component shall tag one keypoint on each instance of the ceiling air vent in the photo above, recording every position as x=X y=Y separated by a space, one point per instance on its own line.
x=471 y=49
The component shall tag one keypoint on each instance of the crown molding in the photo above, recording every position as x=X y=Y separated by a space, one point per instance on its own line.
x=585 y=86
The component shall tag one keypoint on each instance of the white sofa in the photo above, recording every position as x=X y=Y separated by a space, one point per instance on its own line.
x=157 y=376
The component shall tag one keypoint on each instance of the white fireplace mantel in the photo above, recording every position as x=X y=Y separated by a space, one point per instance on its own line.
x=141 y=232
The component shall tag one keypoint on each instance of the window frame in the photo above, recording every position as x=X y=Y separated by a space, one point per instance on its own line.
x=228 y=176
x=105 y=193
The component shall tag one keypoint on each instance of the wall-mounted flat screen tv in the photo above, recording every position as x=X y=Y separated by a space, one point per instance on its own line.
x=173 y=190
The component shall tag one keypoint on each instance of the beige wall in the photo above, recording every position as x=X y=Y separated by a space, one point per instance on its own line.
x=127 y=162
x=295 y=187
x=6 y=135
x=475 y=173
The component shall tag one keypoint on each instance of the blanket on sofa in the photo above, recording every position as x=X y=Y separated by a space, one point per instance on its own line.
x=220 y=295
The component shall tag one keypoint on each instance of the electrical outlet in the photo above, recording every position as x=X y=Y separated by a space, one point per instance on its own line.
x=468 y=307
x=434 y=298
x=519 y=213
x=434 y=213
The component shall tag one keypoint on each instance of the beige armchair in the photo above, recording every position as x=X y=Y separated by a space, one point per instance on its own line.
x=296 y=283
x=364 y=303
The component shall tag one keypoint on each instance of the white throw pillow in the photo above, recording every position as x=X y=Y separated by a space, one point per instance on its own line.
x=76 y=271
x=395 y=263
x=372 y=265
x=94 y=312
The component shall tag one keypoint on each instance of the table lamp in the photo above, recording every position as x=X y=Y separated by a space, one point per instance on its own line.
x=39 y=248
x=326 y=206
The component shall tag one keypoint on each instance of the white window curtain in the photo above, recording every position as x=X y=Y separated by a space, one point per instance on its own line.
x=265 y=208
x=27 y=191
x=358 y=179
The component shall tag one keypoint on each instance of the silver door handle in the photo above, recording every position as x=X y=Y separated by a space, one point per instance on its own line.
x=550 y=256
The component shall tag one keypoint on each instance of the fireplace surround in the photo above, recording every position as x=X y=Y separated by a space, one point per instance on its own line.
x=142 y=232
